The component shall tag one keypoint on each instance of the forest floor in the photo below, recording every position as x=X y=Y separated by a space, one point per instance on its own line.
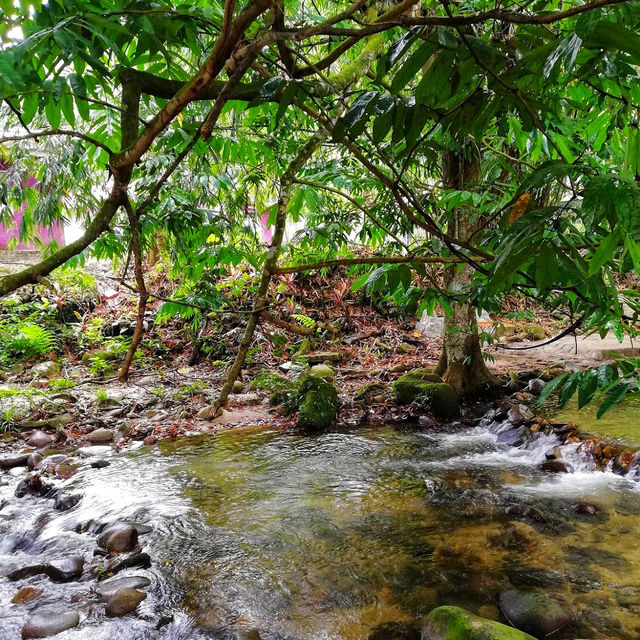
x=180 y=369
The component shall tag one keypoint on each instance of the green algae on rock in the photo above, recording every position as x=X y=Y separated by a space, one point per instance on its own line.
x=438 y=397
x=453 y=623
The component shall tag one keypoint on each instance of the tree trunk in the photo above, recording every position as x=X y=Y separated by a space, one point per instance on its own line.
x=461 y=363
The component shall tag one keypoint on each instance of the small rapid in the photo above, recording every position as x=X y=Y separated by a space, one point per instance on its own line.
x=276 y=534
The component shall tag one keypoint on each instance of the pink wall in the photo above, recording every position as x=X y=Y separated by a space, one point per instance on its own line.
x=46 y=234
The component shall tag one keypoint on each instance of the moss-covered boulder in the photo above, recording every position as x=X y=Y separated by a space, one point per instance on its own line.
x=319 y=399
x=453 y=623
x=425 y=385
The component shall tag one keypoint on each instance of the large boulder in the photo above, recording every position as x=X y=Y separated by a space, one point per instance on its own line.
x=453 y=623
x=428 y=387
x=533 y=612
x=49 y=621
x=319 y=404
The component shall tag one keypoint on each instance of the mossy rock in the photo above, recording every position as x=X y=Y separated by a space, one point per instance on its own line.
x=453 y=623
x=319 y=404
x=322 y=371
x=425 y=385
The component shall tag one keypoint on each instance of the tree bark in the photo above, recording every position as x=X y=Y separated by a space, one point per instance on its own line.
x=461 y=363
x=143 y=295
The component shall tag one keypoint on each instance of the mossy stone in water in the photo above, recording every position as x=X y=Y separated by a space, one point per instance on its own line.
x=319 y=404
x=453 y=623
x=439 y=398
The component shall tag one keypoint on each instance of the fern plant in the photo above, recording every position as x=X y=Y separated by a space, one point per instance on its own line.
x=25 y=340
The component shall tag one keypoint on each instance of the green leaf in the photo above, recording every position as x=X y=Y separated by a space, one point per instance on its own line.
x=413 y=64
x=66 y=104
x=52 y=111
x=569 y=388
x=550 y=387
x=612 y=399
x=29 y=107
x=355 y=119
x=604 y=253
x=606 y=375
x=588 y=387
x=545 y=267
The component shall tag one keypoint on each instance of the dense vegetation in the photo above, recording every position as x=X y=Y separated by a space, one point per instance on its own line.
x=484 y=148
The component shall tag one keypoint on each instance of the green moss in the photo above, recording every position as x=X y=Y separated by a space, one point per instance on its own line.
x=453 y=623
x=319 y=404
x=281 y=390
x=424 y=385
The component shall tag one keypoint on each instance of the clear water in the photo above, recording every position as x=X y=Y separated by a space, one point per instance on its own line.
x=333 y=536
x=622 y=422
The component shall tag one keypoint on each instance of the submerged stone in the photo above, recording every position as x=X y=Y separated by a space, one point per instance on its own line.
x=425 y=385
x=533 y=612
x=453 y=623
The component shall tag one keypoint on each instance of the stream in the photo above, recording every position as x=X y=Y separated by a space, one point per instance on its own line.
x=258 y=533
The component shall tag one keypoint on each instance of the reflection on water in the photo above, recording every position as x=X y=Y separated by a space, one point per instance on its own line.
x=334 y=536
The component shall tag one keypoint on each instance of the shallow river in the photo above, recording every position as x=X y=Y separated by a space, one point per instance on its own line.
x=339 y=535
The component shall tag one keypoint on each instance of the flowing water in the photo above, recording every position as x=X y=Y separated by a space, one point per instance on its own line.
x=345 y=535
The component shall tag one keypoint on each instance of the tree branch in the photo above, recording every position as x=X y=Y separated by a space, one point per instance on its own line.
x=58 y=132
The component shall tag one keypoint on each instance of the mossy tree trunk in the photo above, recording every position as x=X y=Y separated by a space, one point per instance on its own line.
x=461 y=363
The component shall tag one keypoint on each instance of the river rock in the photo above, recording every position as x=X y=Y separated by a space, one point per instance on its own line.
x=100 y=436
x=48 y=369
x=34 y=460
x=119 y=538
x=585 y=508
x=514 y=437
x=12 y=460
x=553 y=454
x=536 y=386
x=99 y=464
x=33 y=485
x=556 y=466
x=124 y=601
x=142 y=560
x=26 y=595
x=424 y=385
x=89 y=452
x=532 y=612
x=39 y=439
x=48 y=621
x=66 y=501
x=319 y=405
x=519 y=414
x=66 y=569
x=27 y=572
x=453 y=623
x=109 y=587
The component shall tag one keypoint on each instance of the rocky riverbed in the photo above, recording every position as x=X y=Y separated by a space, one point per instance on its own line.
x=351 y=534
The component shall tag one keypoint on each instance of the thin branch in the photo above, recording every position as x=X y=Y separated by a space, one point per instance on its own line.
x=58 y=132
